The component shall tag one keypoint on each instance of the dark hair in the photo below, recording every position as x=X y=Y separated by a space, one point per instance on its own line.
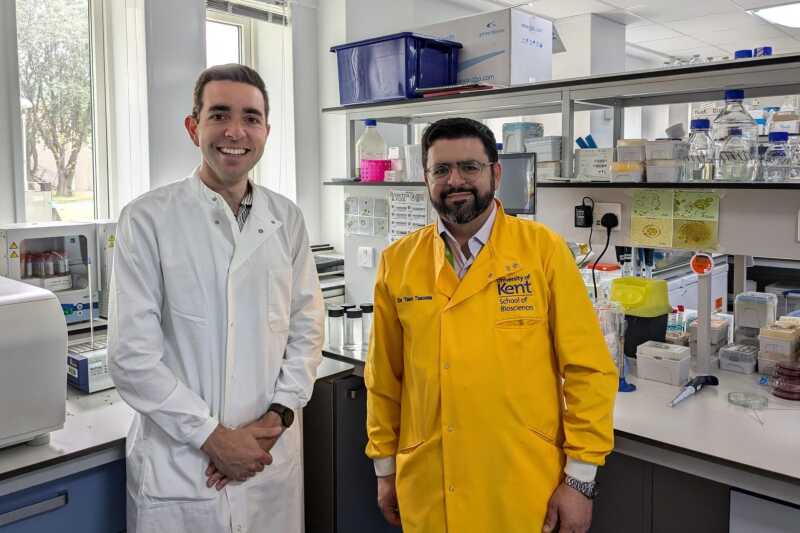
x=458 y=128
x=229 y=72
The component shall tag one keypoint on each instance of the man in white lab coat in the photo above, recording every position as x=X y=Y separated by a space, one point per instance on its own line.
x=216 y=331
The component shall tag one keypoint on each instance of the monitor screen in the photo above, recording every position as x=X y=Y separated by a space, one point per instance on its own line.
x=518 y=183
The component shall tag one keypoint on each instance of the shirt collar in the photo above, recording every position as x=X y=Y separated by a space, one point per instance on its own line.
x=481 y=237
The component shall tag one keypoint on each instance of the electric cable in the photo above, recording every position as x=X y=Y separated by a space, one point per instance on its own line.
x=609 y=221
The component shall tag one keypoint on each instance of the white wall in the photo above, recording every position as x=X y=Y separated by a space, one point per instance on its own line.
x=176 y=53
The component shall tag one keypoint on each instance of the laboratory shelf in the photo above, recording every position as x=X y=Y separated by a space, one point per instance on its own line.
x=344 y=183
x=705 y=186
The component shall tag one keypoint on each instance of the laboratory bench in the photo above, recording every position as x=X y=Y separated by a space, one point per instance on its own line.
x=672 y=468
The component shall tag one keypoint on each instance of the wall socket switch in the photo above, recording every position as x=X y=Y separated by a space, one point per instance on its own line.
x=601 y=209
x=366 y=257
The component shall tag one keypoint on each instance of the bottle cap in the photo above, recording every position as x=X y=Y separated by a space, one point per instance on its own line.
x=762 y=51
x=735 y=132
x=734 y=94
x=335 y=311
x=354 y=313
x=367 y=308
x=347 y=306
x=741 y=54
x=370 y=122
x=700 y=124
x=778 y=136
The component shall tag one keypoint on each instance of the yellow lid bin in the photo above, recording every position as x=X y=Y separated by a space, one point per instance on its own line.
x=641 y=297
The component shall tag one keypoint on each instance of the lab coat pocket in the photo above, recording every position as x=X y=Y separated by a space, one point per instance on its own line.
x=279 y=299
x=527 y=374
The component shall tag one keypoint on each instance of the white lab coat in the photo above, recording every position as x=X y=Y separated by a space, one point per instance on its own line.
x=211 y=325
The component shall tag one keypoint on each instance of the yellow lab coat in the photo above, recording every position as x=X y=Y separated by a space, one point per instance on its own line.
x=481 y=387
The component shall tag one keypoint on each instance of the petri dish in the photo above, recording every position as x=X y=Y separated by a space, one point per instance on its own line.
x=748 y=400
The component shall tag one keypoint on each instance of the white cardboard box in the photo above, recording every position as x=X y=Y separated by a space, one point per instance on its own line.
x=506 y=47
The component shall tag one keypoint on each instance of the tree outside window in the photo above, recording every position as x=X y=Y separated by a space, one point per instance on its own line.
x=56 y=91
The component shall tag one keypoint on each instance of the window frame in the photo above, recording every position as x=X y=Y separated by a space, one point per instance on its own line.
x=245 y=26
x=99 y=94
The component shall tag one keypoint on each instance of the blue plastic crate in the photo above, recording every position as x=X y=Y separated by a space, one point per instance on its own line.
x=394 y=66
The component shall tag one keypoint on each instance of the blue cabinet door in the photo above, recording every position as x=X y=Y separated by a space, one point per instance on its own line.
x=92 y=501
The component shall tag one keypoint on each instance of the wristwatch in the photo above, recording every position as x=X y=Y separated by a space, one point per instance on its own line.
x=286 y=414
x=587 y=488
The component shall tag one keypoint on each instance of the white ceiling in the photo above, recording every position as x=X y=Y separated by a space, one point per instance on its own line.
x=682 y=28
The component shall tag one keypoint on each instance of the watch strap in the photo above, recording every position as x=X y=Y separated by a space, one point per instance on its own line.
x=587 y=488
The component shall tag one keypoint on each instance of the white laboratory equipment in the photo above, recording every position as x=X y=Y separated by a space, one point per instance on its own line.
x=777 y=162
x=366 y=323
x=106 y=239
x=736 y=135
x=370 y=146
x=55 y=256
x=699 y=165
x=352 y=329
x=335 y=328
x=32 y=348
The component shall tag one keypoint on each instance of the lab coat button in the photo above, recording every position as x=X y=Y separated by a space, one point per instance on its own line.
x=214 y=199
x=451 y=488
x=446 y=366
x=260 y=230
x=490 y=275
x=216 y=222
x=450 y=428
x=272 y=221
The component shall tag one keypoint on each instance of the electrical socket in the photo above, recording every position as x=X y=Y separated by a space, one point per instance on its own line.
x=601 y=209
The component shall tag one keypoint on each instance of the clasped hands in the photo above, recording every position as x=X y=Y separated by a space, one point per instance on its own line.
x=239 y=454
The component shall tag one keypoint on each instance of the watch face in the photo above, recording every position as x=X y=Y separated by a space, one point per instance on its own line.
x=287 y=417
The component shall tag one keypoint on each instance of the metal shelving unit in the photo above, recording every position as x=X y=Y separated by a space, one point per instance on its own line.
x=759 y=77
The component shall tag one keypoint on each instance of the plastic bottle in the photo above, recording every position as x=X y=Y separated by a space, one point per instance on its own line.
x=778 y=157
x=736 y=138
x=769 y=113
x=370 y=145
x=700 y=160
x=682 y=318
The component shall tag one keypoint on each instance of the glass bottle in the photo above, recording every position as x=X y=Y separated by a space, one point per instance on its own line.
x=335 y=329
x=352 y=329
x=700 y=159
x=366 y=323
x=778 y=157
x=736 y=137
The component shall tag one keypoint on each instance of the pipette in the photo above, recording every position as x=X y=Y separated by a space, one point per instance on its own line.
x=694 y=386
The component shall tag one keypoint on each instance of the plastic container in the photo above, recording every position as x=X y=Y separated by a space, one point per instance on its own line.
x=666 y=149
x=335 y=327
x=517 y=134
x=767 y=366
x=394 y=67
x=545 y=148
x=755 y=309
x=366 y=323
x=780 y=347
x=370 y=146
x=662 y=362
x=786 y=119
x=792 y=301
x=375 y=169
x=781 y=290
x=777 y=161
x=593 y=163
x=786 y=383
x=743 y=54
x=631 y=150
x=641 y=297
x=746 y=336
x=719 y=330
x=665 y=171
x=352 y=329
x=736 y=137
x=414 y=170
x=627 y=172
x=738 y=358
x=548 y=169
x=699 y=165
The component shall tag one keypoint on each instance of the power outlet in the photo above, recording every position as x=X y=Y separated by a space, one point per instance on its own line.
x=366 y=257
x=602 y=209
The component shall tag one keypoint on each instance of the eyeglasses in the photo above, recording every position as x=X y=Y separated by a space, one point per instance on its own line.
x=469 y=170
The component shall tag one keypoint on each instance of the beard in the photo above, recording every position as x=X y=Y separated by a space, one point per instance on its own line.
x=462 y=211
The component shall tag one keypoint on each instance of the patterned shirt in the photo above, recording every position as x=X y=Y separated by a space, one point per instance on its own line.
x=455 y=256
x=244 y=207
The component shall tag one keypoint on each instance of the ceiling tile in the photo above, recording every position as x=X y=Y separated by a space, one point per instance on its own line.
x=779 y=46
x=650 y=32
x=568 y=8
x=753 y=4
x=669 y=45
x=684 y=9
x=722 y=21
x=764 y=33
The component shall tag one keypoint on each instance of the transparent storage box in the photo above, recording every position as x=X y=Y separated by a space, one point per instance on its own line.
x=740 y=358
x=755 y=309
x=662 y=362
x=719 y=330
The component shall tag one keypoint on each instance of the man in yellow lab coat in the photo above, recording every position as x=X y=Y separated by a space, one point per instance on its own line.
x=490 y=387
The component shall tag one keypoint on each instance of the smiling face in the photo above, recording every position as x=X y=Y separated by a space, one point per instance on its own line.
x=460 y=197
x=230 y=130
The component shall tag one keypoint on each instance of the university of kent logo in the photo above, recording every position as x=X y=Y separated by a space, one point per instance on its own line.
x=514 y=293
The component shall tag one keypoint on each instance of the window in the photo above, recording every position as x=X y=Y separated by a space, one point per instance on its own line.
x=237 y=32
x=57 y=84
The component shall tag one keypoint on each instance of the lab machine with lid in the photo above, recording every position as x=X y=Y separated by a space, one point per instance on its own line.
x=32 y=350
x=61 y=257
